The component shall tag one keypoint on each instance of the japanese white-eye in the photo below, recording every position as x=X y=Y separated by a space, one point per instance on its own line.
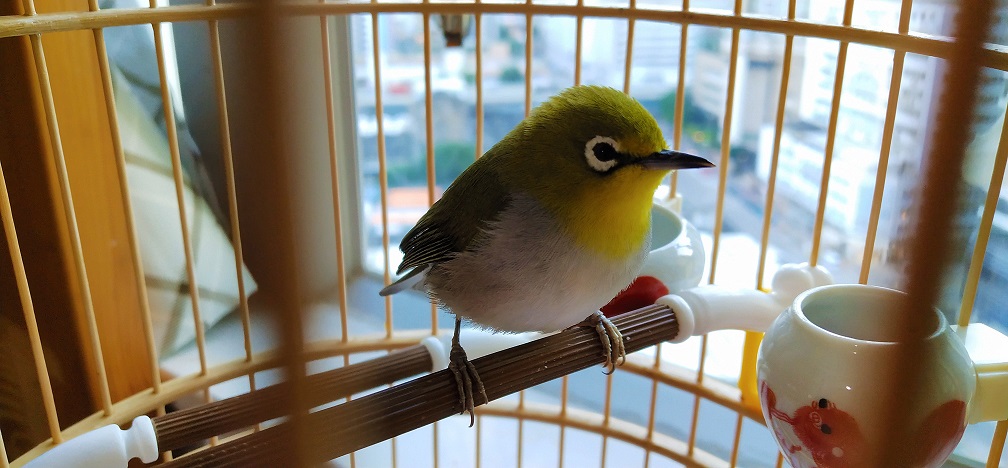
x=547 y=226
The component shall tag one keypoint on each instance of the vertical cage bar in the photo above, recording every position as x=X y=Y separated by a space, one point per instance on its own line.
x=691 y=442
x=838 y=78
x=520 y=444
x=229 y=174
x=479 y=441
x=578 y=39
x=775 y=154
x=528 y=109
x=677 y=126
x=528 y=57
x=887 y=133
x=997 y=444
x=173 y=145
x=4 y=463
x=435 y=444
x=984 y=230
x=429 y=138
x=429 y=134
x=334 y=178
x=733 y=461
x=232 y=198
x=652 y=406
x=337 y=213
x=628 y=63
x=382 y=166
x=126 y=200
x=725 y=149
x=38 y=357
x=71 y=216
x=478 y=25
x=266 y=50
x=564 y=384
x=895 y=81
x=928 y=249
x=578 y=43
x=560 y=446
x=478 y=20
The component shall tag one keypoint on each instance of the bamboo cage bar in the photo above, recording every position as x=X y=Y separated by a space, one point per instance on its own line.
x=997 y=444
x=680 y=100
x=895 y=84
x=478 y=77
x=991 y=55
x=528 y=57
x=578 y=43
x=382 y=165
x=120 y=160
x=91 y=325
x=429 y=139
x=929 y=250
x=4 y=462
x=771 y=185
x=628 y=62
x=827 y=165
x=177 y=174
x=24 y=294
x=984 y=231
x=232 y=197
x=883 y=165
x=725 y=148
x=265 y=51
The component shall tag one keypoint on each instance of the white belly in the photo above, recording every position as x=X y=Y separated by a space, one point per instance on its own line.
x=527 y=275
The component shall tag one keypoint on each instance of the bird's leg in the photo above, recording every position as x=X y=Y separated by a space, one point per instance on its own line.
x=611 y=338
x=465 y=375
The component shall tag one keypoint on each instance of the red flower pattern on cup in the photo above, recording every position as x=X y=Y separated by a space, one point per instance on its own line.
x=820 y=430
x=831 y=437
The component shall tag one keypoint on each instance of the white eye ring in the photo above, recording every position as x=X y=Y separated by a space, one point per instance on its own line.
x=593 y=160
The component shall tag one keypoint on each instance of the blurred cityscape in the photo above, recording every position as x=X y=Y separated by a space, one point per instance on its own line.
x=857 y=142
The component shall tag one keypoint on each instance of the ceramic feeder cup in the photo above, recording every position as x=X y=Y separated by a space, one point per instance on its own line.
x=827 y=362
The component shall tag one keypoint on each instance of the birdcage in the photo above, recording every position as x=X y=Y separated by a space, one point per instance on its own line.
x=202 y=200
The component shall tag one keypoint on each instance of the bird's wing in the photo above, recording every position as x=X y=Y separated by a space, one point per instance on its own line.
x=457 y=219
x=410 y=280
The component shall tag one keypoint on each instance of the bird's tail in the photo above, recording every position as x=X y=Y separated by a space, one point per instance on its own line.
x=412 y=279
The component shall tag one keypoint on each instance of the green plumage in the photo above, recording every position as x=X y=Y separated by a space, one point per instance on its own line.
x=457 y=218
x=529 y=159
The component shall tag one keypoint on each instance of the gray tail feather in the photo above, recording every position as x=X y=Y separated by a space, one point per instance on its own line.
x=411 y=280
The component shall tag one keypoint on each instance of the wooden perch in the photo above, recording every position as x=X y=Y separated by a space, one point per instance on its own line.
x=339 y=430
x=192 y=425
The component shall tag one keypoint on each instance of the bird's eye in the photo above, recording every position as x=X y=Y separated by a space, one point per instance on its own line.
x=602 y=153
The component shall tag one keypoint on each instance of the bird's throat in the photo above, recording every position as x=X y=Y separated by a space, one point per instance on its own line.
x=617 y=223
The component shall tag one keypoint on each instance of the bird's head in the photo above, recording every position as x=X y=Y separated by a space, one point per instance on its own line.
x=593 y=139
x=593 y=149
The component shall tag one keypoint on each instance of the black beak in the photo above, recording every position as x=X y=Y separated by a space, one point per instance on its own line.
x=668 y=159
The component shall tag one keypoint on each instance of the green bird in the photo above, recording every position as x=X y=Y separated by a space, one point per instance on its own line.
x=546 y=227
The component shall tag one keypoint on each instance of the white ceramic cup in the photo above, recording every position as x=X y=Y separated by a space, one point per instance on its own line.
x=825 y=362
x=677 y=252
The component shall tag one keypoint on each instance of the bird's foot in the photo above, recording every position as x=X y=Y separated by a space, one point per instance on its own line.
x=467 y=381
x=611 y=338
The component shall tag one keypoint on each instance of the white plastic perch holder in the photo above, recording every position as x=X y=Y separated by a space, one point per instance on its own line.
x=704 y=309
x=105 y=447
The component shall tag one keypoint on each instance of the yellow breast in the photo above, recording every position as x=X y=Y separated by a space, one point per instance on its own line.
x=613 y=218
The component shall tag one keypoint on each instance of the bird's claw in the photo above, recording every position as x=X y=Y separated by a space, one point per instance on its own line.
x=613 y=349
x=466 y=378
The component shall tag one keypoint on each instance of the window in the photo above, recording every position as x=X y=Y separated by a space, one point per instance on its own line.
x=855 y=150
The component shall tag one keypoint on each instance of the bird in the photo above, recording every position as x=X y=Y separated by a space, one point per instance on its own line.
x=546 y=227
